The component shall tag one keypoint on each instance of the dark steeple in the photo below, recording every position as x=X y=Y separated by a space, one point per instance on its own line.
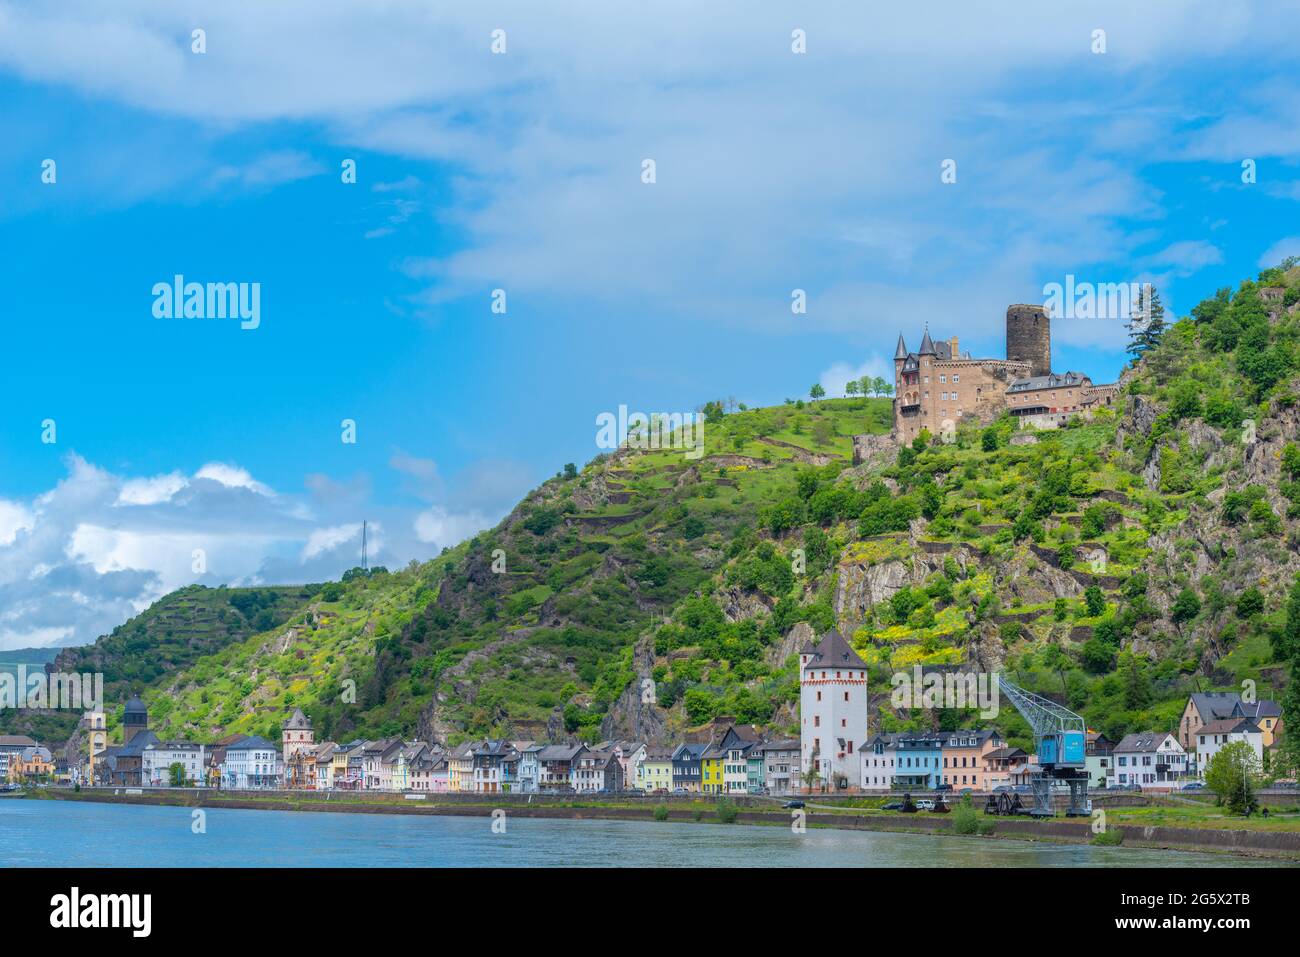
x=927 y=346
x=901 y=351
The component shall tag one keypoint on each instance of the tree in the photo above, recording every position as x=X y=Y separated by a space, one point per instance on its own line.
x=570 y=470
x=176 y=774
x=817 y=391
x=851 y=387
x=1094 y=600
x=1250 y=603
x=1054 y=659
x=1146 y=324
x=1232 y=775
x=1186 y=607
x=886 y=388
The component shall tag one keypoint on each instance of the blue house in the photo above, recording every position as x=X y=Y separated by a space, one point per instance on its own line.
x=919 y=760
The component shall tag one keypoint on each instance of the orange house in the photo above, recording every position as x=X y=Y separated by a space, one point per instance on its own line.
x=963 y=758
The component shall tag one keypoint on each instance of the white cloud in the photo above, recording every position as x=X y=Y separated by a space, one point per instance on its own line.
x=232 y=476
x=441 y=528
x=151 y=491
x=838 y=375
x=327 y=539
x=14 y=518
x=1279 y=251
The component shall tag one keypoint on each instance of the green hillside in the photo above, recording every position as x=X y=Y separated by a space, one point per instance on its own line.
x=1115 y=565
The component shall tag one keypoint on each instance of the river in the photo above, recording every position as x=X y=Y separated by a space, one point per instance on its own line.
x=82 y=834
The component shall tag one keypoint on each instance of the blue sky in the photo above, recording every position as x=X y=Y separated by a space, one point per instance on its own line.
x=522 y=171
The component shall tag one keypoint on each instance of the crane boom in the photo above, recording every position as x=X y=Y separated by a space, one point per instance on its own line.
x=1060 y=739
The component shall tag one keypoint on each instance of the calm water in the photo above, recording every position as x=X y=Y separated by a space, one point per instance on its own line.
x=74 y=834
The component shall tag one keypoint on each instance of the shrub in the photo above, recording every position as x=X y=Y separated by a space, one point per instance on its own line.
x=726 y=812
x=661 y=812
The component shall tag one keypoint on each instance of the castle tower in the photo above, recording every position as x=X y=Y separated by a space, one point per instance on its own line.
x=832 y=710
x=296 y=735
x=1029 y=337
x=135 y=718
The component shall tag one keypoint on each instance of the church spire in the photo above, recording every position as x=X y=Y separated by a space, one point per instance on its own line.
x=901 y=351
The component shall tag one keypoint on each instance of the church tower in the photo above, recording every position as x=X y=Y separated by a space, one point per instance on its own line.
x=135 y=718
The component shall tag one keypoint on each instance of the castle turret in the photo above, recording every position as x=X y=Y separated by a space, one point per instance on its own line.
x=900 y=351
x=927 y=344
x=1029 y=337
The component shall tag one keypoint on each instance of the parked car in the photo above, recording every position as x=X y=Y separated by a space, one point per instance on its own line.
x=943 y=787
x=892 y=806
x=680 y=791
x=1193 y=786
x=796 y=803
x=925 y=804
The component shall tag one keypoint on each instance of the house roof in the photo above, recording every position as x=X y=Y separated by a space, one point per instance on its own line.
x=297 y=721
x=1057 y=380
x=254 y=743
x=784 y=744
x=15 y=741
x=689 y=751
x=957 y=739
x=833 y=651
x=1005 y=754
x=137 y=744
x=1229 y=726
x=1211 y=705
x=1261 y=709
x=900 y=351
x=1143 y=741
x=560 y=752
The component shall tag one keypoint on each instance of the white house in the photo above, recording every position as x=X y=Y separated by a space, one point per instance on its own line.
x=1210 y=739
x=530 y=768
x=1151 y=760
x=251 y=763
x=878 y=757
x=158 y=757
x=832 y=710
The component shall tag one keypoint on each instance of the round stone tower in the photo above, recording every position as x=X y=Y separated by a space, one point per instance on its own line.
x=1029 y=337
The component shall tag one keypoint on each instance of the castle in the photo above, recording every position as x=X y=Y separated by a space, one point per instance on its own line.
x=938 y=386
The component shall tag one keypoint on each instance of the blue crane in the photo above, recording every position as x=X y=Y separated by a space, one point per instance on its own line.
x=1060 y=738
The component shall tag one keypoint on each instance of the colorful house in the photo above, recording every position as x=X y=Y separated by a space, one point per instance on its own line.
x=879 y=758
x=1099 y=760
x=655 y=772
x=963 y=758
x=1211 y=738
x=919 y=760
x=688 y=767
x=781 y=766
x=1206 y=706
x=1153 y=760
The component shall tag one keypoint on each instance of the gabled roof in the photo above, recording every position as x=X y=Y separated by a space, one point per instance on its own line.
x=560 y=752
x=15 y=741
x=1058 y=380
x=1237 y=725
x=689 y=751
x=1144 y=741
x=1261 y=709
x=297 y=721
x=833 y=651
x=254 y=743
x=784 y=744
x=1212 y=705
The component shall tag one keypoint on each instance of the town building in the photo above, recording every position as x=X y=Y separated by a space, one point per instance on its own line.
x=1211 y=738
x=96 y=724
x=832 y=710
x=252 y=763
x=158 y=758
x=597 y=771
x=655 y=772
x=12 y=745
x=879 y=758
x=1153 y=760
x=1006 y=766
x=530 y=768
x=919 y=760
x=429 y=770
x=1099 y=761
x=377 y=763
x=687 y=767
x=556 y=763
x=31 y=763
x=781 y=766
x=963 y=758
x=495 y=766
x=1206 y=706
x=325 y=765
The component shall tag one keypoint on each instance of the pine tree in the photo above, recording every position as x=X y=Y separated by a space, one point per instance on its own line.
x=1146 y=322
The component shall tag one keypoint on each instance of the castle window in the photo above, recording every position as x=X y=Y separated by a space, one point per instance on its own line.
x=943 y=378
x=956 y=378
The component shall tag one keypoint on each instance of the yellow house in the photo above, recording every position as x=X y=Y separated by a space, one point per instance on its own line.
x=460 y=768
x=655 y=773
x=712 y=780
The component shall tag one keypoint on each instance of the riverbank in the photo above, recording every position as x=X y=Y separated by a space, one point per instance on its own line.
x=1247 y=842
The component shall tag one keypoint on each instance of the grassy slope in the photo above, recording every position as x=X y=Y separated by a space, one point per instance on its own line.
x=692 y=560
